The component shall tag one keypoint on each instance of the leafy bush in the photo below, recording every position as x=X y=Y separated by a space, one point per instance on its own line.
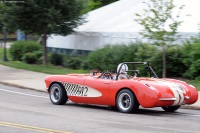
x=109 y=57
x=19 y=48
x=32 y=58
x=29 y=58
x=104 y=59
x=73 y=62
x=174 y=66
x=40 y=60
x=31 y=46
x=56 y=59
x=191 y=58
x=38 y=53
x=16 y=50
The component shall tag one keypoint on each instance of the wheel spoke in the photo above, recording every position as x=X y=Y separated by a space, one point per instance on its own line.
x=127 y=103
x=55 y=94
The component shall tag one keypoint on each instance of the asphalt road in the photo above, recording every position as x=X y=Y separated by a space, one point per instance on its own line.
x=28 y=111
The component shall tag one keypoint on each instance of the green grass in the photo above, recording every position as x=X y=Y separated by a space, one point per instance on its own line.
x=1 y=53
x=194 y=83
x=49 y=69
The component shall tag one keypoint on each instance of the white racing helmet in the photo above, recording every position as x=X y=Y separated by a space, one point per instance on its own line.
x=124 y=68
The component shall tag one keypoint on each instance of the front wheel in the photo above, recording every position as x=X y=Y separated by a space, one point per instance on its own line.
x=58 y=94
x=171 y=108
x=126 y=101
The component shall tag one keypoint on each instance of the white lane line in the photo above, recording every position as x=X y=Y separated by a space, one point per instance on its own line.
x=20 y=93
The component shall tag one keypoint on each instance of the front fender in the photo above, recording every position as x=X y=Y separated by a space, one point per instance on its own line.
x=147 y=97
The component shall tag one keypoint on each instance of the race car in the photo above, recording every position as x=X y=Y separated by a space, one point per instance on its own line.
x=126 y=89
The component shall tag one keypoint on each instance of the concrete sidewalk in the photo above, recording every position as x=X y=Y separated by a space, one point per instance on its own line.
x=35 y=81
x=22 y=78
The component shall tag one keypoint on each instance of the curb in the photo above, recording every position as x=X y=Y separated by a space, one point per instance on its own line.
x=20 y=86
x=190 y=107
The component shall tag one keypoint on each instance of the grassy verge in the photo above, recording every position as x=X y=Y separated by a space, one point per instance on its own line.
x=194 y=83
x=49 y=69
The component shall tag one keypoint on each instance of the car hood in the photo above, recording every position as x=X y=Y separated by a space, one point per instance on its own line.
x=165 y=84
x=171 y=88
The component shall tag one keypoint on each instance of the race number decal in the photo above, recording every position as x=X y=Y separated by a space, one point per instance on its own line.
x=80 y=90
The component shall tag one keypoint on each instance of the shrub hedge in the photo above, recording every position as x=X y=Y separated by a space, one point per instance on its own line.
x=56 y=59
x=32 y=57
x=109 y=57
x=19 y=48
x=182 y=60
x=191 y=59
x=74 y=62
x=16 y=50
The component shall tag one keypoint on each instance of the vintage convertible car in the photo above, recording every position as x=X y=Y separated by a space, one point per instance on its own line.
x=125 y=90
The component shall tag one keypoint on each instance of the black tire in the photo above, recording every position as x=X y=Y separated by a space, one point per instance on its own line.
x=127 y=102
x=58 y=94
x=171 y=108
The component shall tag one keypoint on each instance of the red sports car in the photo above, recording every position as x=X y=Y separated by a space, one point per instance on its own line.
x=125 y=89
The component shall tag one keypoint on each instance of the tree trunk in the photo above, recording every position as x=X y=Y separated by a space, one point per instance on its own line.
x=164 y=61
x=44 y=42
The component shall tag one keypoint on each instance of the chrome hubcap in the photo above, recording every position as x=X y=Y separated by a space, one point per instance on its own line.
x=55 y=94
x=124 y=101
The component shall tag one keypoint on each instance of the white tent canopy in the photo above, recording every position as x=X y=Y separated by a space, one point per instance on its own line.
x=115 y=23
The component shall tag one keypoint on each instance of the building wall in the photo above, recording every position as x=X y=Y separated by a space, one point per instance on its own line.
x=84 y=42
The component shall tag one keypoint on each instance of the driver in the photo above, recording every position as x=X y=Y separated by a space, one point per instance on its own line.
x=107 y=75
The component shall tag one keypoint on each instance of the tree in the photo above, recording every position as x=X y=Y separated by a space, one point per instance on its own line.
x=1 y=16
x=191 y=57
x=94 y=4
x=105 y=2
x=45 y=17
x=5 y=19
x=160 y=22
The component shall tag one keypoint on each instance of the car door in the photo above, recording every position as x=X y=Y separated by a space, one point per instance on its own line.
x=98 y=90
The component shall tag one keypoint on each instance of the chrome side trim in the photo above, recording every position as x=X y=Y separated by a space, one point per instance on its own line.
x=167 y=99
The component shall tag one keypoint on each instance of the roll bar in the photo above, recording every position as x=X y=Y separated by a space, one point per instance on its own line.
x=151 y=71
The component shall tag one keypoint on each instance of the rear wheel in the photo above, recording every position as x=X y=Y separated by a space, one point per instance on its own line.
x=58 y=94
x=171 y=108
x=126 y=101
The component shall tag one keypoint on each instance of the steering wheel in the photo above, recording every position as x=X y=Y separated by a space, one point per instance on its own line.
x=106 y=75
